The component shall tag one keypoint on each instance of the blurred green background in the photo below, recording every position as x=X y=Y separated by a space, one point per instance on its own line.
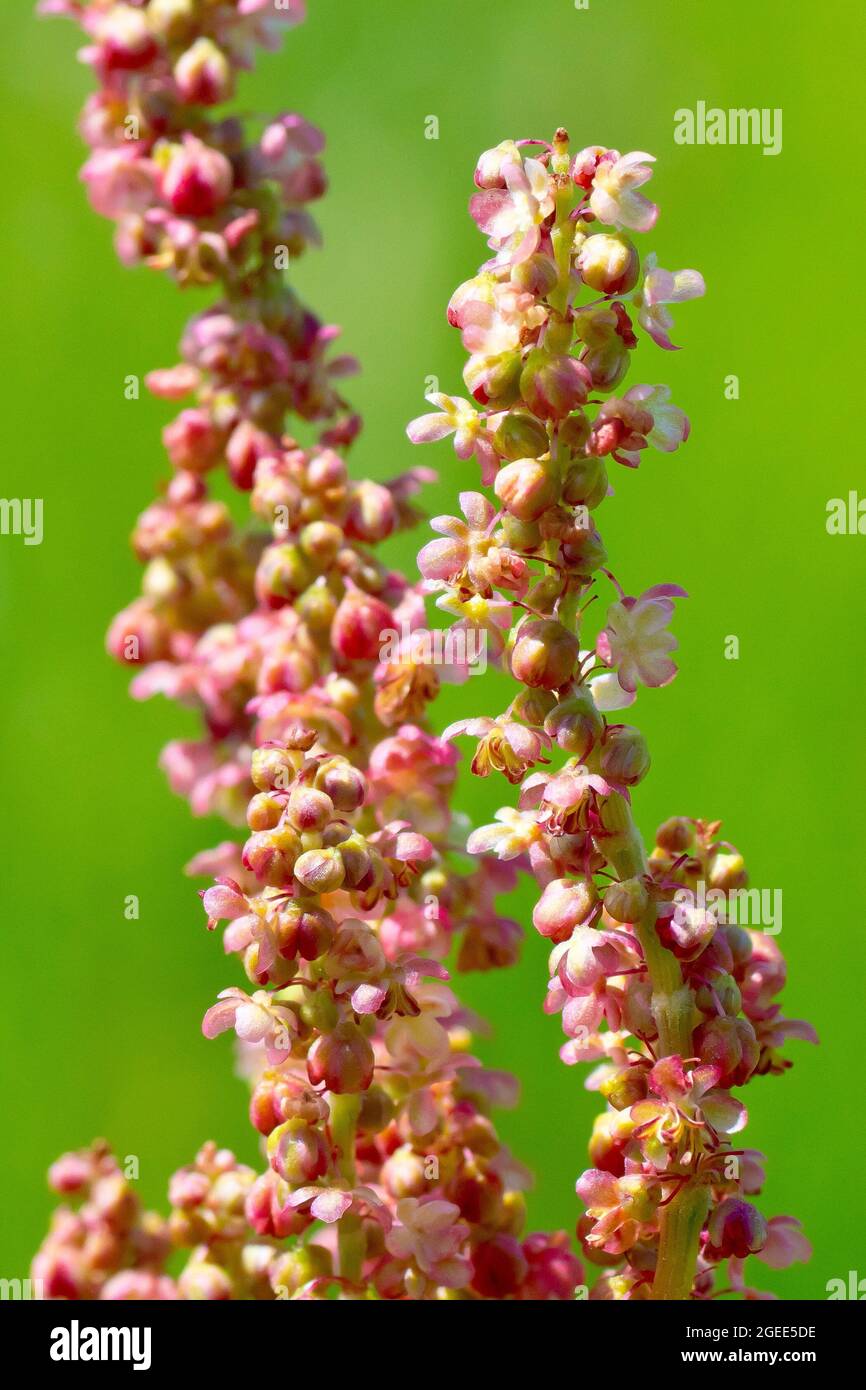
x=100 y=1019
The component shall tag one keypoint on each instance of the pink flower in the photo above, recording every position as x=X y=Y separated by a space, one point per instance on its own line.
x=670 y=425
x=494 y=316
x=686 y=1101
x=287 y=153
x=635 y=640
x=622 y=1209
x=256 y=1018
x=565 y=800
x=458 y=417
x=514 y=834
x=615 y=199
x=120 y=182
x=504 y=746
x=512 y=217
x=661 y=287
x=429 y=1235
x=329 y=1204
x=471 y=550
x=785 y=1244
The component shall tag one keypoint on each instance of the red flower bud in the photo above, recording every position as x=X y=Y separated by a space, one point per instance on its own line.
x=553 y=387
x=564 y=904
x=735 y=1229
x=360 y=620
x=544 y=654
x=342 y=1060
x=729 y=1044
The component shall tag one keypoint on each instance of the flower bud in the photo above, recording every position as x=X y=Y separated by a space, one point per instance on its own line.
x=585 y=483
x=309 y=809
x=584 y=551
x=377 y=1111
x=360 y=620
x=314 y=932
x=318 y=1011
x=611 y=1136
x=403 y=1173
x=499 y=1267
x=281 y=575
x=729 y=1044
x=675 y=835
x=171 y=19
x=554 y=386
x=520 y=436
x=202 y=1281
x=627 y=900
x=685 y=930
x=343 y=783
x=727 y=870
x=317 y=606
x=626 y=1087
x=264 y=811
x=279 y=1096
x=533 y=706
x=271 y=855
x=320 y=870
x=609 y=264
x=526 y=488
x=544 y=654
x=625 y=756
x=735 y=1229
x=125 y=39
x=268 y=1210
x=494 y=381
x=272 y=768
x=197 y=179
x=722 y=991
x=575 y=723
x=574 y=432
x=298 y=1153
x=343 y=1060
x=292 y=1269
x=372 y=514
x=321 y=541
x=520 y=535
x=488 y=170
x=537 y=275
x=246 y=447
x=192 y=441
x=564 y=904
x=203 y=74
x=606 y=362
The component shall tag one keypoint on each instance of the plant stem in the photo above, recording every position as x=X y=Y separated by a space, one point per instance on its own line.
x=672 y=1005
x=350 y=1234
x=680 y=1229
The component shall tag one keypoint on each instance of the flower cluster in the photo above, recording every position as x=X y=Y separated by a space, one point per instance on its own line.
x=677 y=1007
x=383 y=1176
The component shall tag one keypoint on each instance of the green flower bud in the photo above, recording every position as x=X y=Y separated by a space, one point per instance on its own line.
x=609 y=264
x=520 y=436
x=625 y=757
x=575 y=723
x=626 y=1087
x=526 y=488
x=533 y=706
x=626 y=901
x=585 y=483
x=537 y=275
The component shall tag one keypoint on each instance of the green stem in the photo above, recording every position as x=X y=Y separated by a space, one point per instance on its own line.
x=681 y=1222
x=350 y=1234
x=673 y=1010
